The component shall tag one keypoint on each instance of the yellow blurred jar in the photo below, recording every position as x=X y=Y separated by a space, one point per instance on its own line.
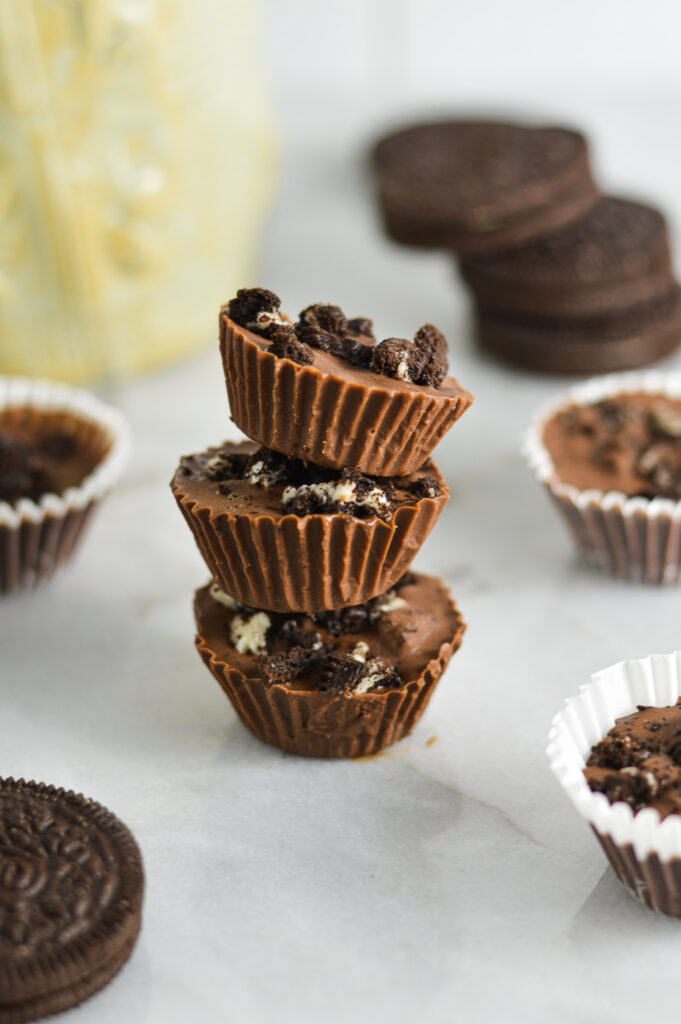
x=136 y=161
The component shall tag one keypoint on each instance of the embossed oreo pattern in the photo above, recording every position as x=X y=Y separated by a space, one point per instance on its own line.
x=71 y=883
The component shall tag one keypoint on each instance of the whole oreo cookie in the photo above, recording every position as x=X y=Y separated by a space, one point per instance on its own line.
x=613 y=257
x=621 y=341
x=479 y=186
x=71 y=884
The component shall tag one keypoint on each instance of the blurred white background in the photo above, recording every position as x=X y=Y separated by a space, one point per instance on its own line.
x=609 y=66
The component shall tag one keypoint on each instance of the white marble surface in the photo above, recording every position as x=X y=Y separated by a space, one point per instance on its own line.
x=441 y=882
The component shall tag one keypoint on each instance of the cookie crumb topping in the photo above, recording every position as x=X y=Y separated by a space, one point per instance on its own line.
x=308 y=489
x=639 y=761
x=288 y=647
x=325 y=327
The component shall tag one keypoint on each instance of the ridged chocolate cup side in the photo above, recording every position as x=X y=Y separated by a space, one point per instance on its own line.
x=308 y=563
x=651 y=881
x=38 y=537
x=316 y=724
x=336 y=421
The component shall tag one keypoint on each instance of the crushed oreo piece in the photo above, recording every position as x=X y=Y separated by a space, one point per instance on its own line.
x=327 y=318
x=611 y=415
x=426 y=487
x=674 y=751
x=666 y=422
x=265 y=468
x=661 y=465
x=315 y=337
x=616 y=752
x=429 y=357
x=286 y=345
x=421 y=361
x=343 y=673
x=284 y=667
x=352 y=493
x=225 y=466
x=361 y=325
x=392 y=358
x=23 y=471
x=249 y=302
x=630 y=785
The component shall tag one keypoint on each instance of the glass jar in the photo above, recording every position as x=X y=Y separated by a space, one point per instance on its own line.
x=136 y=162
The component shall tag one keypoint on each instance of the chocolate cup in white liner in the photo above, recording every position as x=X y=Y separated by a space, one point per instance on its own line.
x=644 y=852
x=637 y=539
x=38 y=537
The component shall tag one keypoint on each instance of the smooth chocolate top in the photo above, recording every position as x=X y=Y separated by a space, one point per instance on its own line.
x=43 y=453
x=629 y=443
x=417 y=619
x=639 y=761
x=199 y=479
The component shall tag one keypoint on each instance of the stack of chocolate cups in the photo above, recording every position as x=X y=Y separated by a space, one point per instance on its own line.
x=565 y=280
x=323 y=641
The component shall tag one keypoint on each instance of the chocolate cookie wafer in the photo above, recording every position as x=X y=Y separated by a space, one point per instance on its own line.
x=71 y=883
x=624 y=340
x=614 y=257
x=479 y=186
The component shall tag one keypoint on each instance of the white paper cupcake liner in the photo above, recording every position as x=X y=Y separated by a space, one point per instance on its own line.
x=644 y=851
x=36 y=537
x=635 y=538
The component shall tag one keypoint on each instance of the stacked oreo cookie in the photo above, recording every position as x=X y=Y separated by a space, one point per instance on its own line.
x=564 y=280
x=324 y=641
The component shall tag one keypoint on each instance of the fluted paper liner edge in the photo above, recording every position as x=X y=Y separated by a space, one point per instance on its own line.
x=316 y=724
x=644 y=851
x=37 y=537
x=308 y=414
x=635 y=538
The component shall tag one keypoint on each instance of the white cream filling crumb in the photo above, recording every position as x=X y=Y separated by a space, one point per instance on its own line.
x=402 y=371
x=374 y=674
x=222 y=598
x=215 y=464
x=376 y=499
x=391 y=604
x=267 y=319
x=359 y=652
x=326 y=493
x=248 y=634
x=259 y=476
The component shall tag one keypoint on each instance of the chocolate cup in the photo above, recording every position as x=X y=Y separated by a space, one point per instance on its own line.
x=633 y=538
x=650 y=880
x=39 y=537
x=307 y=563
x=317 y=724
x=331 y=413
